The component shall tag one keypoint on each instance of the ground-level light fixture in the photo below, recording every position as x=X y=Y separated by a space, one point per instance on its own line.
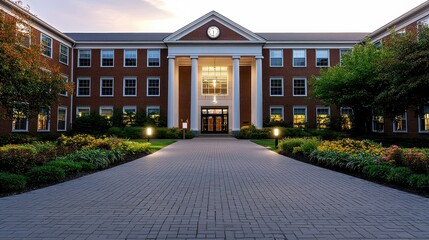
x=148 y=133
x=276 y=133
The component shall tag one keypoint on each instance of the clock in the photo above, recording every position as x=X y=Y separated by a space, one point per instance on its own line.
x=213 y=32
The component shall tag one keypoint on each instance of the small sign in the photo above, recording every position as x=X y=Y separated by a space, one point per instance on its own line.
x=184 y=125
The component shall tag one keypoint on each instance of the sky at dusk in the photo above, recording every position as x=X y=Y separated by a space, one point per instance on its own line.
x=255 y=15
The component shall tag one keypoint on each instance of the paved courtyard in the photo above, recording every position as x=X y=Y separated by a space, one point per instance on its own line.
x=215 y=188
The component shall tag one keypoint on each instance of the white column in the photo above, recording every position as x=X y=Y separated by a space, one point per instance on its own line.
x=258 y=96
x=194 y=94
x=171 y=92
x=236 y=98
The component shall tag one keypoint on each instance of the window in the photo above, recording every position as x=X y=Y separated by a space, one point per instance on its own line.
x=402 y=32
x=424 y=22
x=346 y=118
x=43 y=120
x=130 y=87
x=62 y=119
x=106 y=112
x=276 y=58
x=24 y=34
x=299 y=87
x=153 y=87
x=299 y=58
x=106 y=87
x=378 y=123
x=107 y=57
x=276 y=86
x=276 y=114
x=424 y=119
x=215 y=80
x=400 y=123
x=322 y=57
x=342 y=52
x=153 y=58
x=299 y=117
x=130 y=58
x=83 y=87
x=129 y=115
x=64 y=54
x=83 y=111
x=153 y=112
x=19 y=122
x=47 y=45
x=322 y=117
x=84 y=58
x=64 y=92
x=378 y=44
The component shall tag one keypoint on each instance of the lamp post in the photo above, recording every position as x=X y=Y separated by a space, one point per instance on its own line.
x=148 y=133
x=276 y=136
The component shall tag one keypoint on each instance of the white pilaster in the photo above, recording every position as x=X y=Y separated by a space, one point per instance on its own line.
x=194 y=94
x=258 y=95
x=236 y=98
x=171 y=92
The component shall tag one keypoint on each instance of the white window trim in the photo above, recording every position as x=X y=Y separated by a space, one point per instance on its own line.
x=406 y=125
x=82 y=108
x=281 y=107
x=147 y=58
x=293 y=87
x=293 y=114
x=77 y=86
x=78 y=58
x=101 y=58
x=329 y=114
x=101 y=86
x=41 y=42
x=123 y=87
x=58 y=111
x=152 y=107
x=276 y=78
x=341 y=56
x=20 y=130
x=130 y=107
x=329 y=57
x=281 y=55
x=49 y=122
x=68 y=50
x=67 y=80
x=103 y=108
x=136 y=58
x=305 y=56
x=147 y=86
x=373 y=126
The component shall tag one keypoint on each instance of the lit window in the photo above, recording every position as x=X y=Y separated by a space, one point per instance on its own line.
x=43 y=120
x=106 y=112
x=276 y=86
x=346 y=118
x=322 y=57
x=19 y=122
x=299 y=58
x=47 y=45
x=83 y=87
x=64 y=54
x=153 y=112
x=153 y=87
x=378 y=123
x=299 y=117
x=106 y=87
x=299 y=87
x=400 y=123
x=83 y=111
x=276 y=58
x=322 y=117
x=107 y=57
x=62 y=119
x=129 y=115
x=130 y=87
x=130 y=58
x=276 y=114
x=84 y=58
x=424 y=119
x=153 y=58
x=215 y=80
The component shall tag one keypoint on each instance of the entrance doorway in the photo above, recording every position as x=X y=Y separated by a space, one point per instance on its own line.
x=214 y=120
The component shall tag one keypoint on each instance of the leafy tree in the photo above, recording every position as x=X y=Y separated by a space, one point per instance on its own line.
x=28 y=82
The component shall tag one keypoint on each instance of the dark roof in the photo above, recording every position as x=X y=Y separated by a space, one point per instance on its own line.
x=118 y=37
x=313 y=36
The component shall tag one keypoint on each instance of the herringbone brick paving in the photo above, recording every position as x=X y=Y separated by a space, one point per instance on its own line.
x=215 y=189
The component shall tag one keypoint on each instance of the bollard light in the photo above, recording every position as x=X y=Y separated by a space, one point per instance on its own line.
x=148 y=133
x=276 y=136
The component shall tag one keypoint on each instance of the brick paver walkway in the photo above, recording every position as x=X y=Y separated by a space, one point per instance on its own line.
x=215 y=188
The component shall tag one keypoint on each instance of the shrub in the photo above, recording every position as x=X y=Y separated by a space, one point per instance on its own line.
x=398 y=175
x=166 y=133
x=12 y=182
x=46 y=174
x=377 y=171
x=417 y=160
x=77 y=141
x=393 y=155
x=351 y=147
x=17 y=158
x=251 y=132
x=69 y=167
x=310 y=145
x=418 y=181
x=287 y=144
x=99 y=158
x=131 y=147
x=92 y=124
x=295 y=132
x=115 y=131
x=133 y=132
x=87 y=167
x=15 y=139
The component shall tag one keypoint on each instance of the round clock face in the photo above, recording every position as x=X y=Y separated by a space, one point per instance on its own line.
x=213 y=32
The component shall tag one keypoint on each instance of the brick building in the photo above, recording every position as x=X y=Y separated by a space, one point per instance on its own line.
x=213 y=73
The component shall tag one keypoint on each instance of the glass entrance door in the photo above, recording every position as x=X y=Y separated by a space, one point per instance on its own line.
x=214 y=120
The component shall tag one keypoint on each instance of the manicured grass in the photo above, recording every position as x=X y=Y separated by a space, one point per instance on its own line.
x=157 y=144
x=268 y=143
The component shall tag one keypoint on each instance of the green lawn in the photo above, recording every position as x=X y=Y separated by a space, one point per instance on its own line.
x=157 y=144
x=269 y=143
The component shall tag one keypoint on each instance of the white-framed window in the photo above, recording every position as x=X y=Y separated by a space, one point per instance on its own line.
x=276 y=57
x=378 y=123
x=378 y=44
x=299 y=87
x=424 y=119
x=107 y=58
x=299 y=116
x=24 y=33
x=276 y=86
x=299 y=58
x=322 y=57
x=19 y=122
x=153 y=58
x=62 y=119
x=47 y=45
x=214 y=80
x=129 y=114
x=346 y=118
x=130 y=87
x=342 y=52
x=83 y=87
x=153 y=111
x=64 y=92
x=43 y=120
x=64 y=54
x=400 y=123
x=106 y=111
x=276 y=113
x=84 y=58
x=424 y=22
x=402 y=32
x=153 y=87
x=130 y=58
x=323 y=117
x=83 y=111
x=106 y=87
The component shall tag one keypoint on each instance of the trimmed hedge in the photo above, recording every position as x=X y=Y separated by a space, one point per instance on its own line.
x=10 y=182
x=46 y=174
x=68 y=166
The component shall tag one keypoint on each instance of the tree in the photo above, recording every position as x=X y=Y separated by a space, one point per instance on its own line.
x=354 y=83
x=28 y=82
